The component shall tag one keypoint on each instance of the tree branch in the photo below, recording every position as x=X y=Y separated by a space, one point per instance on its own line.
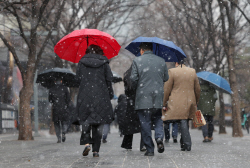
x=241 y=11
x=57 y=18
x=12 y=50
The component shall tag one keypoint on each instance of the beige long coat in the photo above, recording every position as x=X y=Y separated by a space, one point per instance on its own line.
x=181 y=94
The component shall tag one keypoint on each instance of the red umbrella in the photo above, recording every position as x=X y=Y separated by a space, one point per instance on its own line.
x=72 y=47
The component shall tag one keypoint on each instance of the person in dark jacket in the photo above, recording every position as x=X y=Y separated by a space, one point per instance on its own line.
x=60 y=99
x=206 y=104
x=127 y=117
x=149 y=72
x=94 y=107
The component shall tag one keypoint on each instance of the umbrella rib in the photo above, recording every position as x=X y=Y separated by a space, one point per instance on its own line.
x=67 y=48
x=78 y=49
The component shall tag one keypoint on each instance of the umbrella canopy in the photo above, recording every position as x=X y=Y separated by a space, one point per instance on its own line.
x=116 y=77
x=163 y=48
x=48 y=77
x=217 y=81
x=72 y=47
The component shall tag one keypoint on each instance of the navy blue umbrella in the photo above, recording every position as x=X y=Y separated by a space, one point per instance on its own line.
x=216 y=81
x=163 y=48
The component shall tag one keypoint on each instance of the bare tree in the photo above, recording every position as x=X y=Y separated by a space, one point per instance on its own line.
x=229 y=43
x=28 y=16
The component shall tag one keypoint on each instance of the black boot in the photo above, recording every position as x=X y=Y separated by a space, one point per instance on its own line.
x=160 y=145
x=63 y=138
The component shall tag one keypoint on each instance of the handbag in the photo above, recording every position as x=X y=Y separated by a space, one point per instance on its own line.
x=199 y=119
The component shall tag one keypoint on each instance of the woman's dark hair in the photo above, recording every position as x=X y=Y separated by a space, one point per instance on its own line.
x=146 y=46
x=94 y=49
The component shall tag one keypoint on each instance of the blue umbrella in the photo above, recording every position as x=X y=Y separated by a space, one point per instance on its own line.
x=163 y=48
x=216 y=80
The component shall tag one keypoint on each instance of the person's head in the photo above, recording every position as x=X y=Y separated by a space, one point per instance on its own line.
x=145 y=47
x=94 y=49
x=182 y=61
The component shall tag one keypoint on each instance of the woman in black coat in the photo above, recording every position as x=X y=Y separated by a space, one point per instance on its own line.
x=128 y=120
x=94 y=107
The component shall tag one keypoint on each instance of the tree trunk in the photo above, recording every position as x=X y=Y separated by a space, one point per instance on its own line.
x=25 y=131
x=25 y=128
x=222 y=128
x=237 y=131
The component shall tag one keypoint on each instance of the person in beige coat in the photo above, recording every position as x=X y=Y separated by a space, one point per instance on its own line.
x=181 y=96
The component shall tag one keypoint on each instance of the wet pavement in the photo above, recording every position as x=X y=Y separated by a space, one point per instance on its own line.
x=44 y=152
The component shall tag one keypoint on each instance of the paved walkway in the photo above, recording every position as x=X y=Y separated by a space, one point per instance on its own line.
x=44 y=152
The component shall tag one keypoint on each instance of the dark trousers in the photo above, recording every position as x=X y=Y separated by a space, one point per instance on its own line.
x=60 y=126
x=208 y=129
x=167 y=130
x=185 y=135
x=148 y=117
x=106 y=128
x=128 y=141
x=96 y=136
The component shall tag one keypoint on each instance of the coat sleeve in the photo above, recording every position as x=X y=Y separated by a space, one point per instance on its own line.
x=168 y=86
x=197 y=89
x=165 y=73
x=109 y=78
x=134 y=77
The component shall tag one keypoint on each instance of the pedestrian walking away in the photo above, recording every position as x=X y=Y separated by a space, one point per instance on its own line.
x=94 y=107
x=149 y=72
x=206 y=104
x=60 y=99
x=128 y=119
x=181 y=96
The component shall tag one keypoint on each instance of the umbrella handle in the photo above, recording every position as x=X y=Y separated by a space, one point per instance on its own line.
x=87 y=41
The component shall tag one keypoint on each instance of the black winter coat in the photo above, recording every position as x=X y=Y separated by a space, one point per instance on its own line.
x=95 y=92
x=60 y=99
x=128 y=119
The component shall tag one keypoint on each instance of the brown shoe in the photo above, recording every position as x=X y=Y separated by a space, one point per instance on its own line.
x=86 y=150
x=206 y=140
x=210 y=138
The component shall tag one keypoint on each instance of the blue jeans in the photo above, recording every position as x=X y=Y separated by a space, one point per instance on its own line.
x=185 y=135
x=167 y=130
x=148 y=117
x=106 y=128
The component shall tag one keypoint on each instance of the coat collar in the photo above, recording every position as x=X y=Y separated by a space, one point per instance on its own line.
x=182 y=66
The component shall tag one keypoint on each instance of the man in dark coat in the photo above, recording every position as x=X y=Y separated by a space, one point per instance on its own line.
x=60 y=99
x=149 y=72
x=94 y=107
